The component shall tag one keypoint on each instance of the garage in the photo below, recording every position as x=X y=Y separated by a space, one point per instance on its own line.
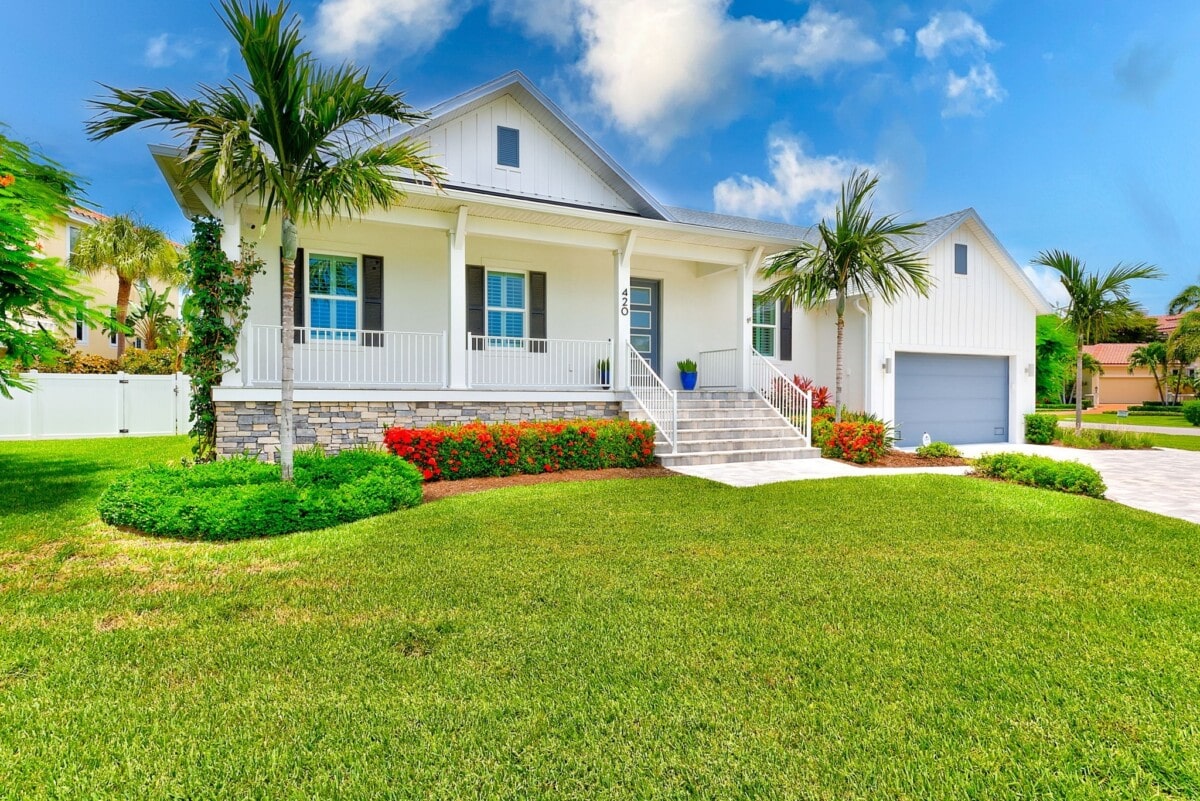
x=956 y=398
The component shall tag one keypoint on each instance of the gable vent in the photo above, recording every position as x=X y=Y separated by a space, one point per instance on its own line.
x=508 y=147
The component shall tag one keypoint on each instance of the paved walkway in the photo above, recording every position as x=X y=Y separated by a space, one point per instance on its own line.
x=1155 y=480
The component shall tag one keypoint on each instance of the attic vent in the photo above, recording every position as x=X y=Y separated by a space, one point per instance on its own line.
x=960 y=259
x=508 y=147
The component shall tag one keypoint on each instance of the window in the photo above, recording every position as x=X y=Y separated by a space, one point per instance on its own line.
x=960 y=259
x=81 y=330
x=766 y=326
x=73 y=234
x=333 y=297
x=112 y=331
x=505 y=309
x=508 y=147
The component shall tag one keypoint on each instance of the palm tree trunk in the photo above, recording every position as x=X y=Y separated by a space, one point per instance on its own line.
x=840 y=363
x=124 y=288
x=1079 y=390
x=287 y=368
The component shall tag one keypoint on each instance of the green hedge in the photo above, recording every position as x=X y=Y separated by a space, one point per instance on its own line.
x=1041 y=429
x=241 y=497
x=1041 y=471
x=1191 y=412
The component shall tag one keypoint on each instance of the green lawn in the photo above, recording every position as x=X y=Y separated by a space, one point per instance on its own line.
x=1181 y=441
x=921 y=637
x=1165 y=420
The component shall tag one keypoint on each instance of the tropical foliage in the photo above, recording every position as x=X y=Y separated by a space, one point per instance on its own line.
x=1098 y=302
x=1186 y=300
x=301 y=138
x=135 y=252
x=858 y=254
x=153 y=319
x=1184 y=348
x=38 y=295
x=1154 y=357
x=1055 y=353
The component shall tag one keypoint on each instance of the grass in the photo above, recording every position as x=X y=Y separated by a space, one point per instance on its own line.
x=1134 y=419
x=924 y=637
x=1182 y=442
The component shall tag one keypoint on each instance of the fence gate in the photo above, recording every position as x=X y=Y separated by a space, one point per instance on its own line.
x=68 y=406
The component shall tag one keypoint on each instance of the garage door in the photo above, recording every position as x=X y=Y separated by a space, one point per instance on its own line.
x=957 y=399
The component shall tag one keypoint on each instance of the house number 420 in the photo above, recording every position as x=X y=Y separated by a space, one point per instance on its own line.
x=625 y=302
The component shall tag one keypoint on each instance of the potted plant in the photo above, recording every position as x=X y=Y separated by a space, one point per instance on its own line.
x=602 y=367
x=687 y=373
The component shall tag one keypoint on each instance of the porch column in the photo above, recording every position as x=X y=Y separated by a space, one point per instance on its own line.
x=745 y=301
x=456 y=336
x=231 y=246
x=621 y=261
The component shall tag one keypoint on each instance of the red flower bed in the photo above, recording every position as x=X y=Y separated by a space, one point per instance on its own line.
x=857 y=442
x=475 y=450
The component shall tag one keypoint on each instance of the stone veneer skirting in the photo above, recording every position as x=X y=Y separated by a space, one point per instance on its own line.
x=253 y=425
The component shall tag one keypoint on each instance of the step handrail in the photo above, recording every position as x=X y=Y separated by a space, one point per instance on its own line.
x=792 y=403
x=658 y=401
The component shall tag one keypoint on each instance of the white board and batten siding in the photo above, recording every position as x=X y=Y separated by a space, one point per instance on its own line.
x=465 y=146
x=982 y=313
x=112 y=405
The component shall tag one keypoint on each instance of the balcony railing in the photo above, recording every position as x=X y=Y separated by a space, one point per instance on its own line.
x=525 y=363
x=326 y=357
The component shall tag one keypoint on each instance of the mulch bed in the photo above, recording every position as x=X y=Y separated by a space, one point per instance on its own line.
x=906 y=459
x=435 y=490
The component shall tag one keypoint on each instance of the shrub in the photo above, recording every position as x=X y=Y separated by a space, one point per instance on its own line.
x=1041 y=471
x=241 y=497
x=477 y=450
x=80 y=364
x=938 y=450
x=161 y=361
x=820 y=394
x=1191 y=412
x=858 y=442
x=1093 y=438
x=1041 y=429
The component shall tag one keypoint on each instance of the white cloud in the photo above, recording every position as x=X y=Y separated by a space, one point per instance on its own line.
x=801 y=187
x=898 y=36
x=819 y=41
x=967 y=95
x=954 y=31
x=164 y=50
x=548 y=19
x=350 y=28
x=1049 y=283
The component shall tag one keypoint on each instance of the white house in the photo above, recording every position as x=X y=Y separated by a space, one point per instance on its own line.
x=542 y=281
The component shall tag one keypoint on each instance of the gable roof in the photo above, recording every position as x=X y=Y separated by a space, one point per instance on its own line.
x=543 y=109
x=1112 y=352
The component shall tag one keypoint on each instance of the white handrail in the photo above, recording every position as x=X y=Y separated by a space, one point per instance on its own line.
x=792 y=403
x=659 y=401
x=347 y=358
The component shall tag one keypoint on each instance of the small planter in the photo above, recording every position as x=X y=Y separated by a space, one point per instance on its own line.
x=688 y=380
x=605 y=374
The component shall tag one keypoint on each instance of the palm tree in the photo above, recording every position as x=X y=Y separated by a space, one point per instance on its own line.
x=1097 y=304
x=1184 y=347
x=135 y=252
x=1188 y=299
x=858 y=254
x=152 y=316
x=300 y=137
x=1153 y=356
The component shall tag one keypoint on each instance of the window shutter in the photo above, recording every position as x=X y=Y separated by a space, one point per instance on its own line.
x=372 y=311
x=785 y=330
x=537 y=312
x=299 y=297
x=508 y=147
x=476 y=305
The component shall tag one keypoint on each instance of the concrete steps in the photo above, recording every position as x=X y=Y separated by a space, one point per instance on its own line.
x=726 y=427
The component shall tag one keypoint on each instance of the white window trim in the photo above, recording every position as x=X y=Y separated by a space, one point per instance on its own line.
x=487 y=307
x=308 y=298
x=773 y=326
x=71 y=228
x=954 y=260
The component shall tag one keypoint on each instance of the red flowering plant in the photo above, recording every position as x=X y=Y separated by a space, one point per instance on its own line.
x=855 y=441
x=476 y=449
x=820 y=395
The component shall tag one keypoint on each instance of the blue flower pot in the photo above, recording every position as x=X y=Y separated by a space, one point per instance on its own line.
x=688 y=380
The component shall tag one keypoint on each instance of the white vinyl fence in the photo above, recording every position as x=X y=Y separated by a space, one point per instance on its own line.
x=67 y=406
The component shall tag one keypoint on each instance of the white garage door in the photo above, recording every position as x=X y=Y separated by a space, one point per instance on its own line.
x=955 y=398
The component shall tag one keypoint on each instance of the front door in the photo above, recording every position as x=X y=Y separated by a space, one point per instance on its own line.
x=645 y=311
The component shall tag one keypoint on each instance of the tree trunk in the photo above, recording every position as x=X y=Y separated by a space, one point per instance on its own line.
x=840 y=364
x=1079 y=390
x=291 y=241
x=1160 y=384
x=124 y=288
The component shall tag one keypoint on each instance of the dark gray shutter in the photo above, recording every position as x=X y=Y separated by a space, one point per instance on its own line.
x=785 y=330
x=476 y=305
x=508 y=147
x=372 y=311
x=299 y=297
x=537 y=312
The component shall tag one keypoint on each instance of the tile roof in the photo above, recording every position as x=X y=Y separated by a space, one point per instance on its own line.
x=1112 y=352
x=1167 y=323
x=95 y=216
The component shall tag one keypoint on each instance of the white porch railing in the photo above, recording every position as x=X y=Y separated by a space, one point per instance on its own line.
x=717 y=368
x=792 y=403
x=522 y=362
x=328 y=357
x=658 y=400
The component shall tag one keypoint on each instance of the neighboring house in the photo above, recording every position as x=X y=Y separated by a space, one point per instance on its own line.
x=1117 y=385
x=541 y=261
x=60 y=242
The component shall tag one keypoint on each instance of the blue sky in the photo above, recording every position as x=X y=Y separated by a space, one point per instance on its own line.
x=1066 y=124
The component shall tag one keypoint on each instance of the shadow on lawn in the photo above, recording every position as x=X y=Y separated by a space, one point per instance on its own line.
x=34 y=483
